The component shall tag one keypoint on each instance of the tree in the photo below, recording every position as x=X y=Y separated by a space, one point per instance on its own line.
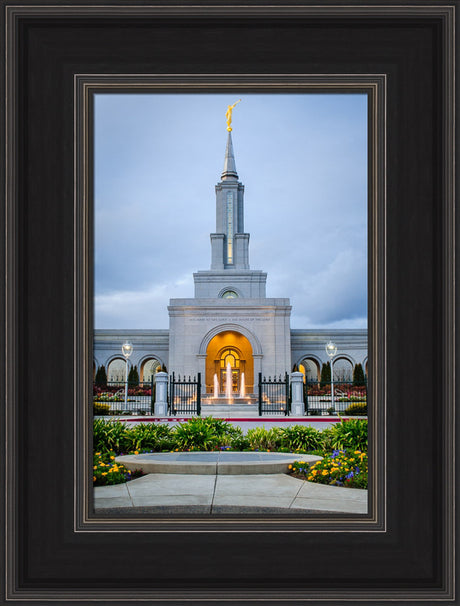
x=133 y=376
x=325 y=374
x=101 y=376
x=358 y=375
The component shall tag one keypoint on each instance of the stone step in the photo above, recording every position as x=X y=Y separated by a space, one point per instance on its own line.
x=229 y=410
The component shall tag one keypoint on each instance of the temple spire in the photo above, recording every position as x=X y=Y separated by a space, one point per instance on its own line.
x=229 y=171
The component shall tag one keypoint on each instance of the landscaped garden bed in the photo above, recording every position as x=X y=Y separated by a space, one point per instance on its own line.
x=340 y=446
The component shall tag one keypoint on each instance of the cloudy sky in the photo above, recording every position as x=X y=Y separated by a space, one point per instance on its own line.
x=303 y=161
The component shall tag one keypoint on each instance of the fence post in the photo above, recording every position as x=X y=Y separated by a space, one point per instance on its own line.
x=161 y=398
x=198 y=395
x=260 y=394
x=152 y=392
x=288 y=393
x=298 y=406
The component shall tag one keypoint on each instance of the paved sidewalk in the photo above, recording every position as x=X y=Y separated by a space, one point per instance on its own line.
x=221 y=494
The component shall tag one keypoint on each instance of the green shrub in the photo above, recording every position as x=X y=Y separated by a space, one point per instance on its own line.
x=349 y=434
x=260 y=438
x=325 y=374
x=301 y=437
x=133 y=376
x=358 y=375
x=101 y=376
x=149 y=436
x=99 y=408
x=239 y=442
x=356 y=409
x=109 y=436
x=196 y=434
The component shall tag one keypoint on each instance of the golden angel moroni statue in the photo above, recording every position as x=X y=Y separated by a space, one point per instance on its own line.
x=228 y=115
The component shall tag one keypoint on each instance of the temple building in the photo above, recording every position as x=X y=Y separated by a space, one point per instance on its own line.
x=230 y=328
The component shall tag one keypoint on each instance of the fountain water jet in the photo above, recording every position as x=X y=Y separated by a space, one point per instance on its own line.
x=243 y=386
x=228 y=382
x=216 y=386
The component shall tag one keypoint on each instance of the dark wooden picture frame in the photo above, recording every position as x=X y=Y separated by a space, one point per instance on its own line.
x=56 y=550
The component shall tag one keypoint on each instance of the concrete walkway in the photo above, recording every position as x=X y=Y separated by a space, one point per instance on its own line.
x=161 y=493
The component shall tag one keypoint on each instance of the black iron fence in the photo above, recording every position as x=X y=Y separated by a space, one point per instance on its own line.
x=323 y=398
x=274 y=395
x=111 y=398
x=185 y=395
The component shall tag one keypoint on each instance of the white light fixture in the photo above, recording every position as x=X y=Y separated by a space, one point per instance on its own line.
x=331 y=349
x=127 y=349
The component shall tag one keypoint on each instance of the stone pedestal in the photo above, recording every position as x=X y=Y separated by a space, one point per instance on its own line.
x=298 y=405
x=161 y=394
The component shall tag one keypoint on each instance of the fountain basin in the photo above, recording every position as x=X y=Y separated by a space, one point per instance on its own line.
x=214 y=463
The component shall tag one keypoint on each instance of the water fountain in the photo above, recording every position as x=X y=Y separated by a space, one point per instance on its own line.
x=242 y=387
x=228 y=382
x=216 y=386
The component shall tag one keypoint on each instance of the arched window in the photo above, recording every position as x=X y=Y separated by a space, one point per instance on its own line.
x=116 y=371
x=343 y=370
x=310 y=369
x=230 y=357
x=229 y=294
x=149 y=368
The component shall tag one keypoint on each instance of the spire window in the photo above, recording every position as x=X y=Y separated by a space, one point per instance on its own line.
x=230 y=227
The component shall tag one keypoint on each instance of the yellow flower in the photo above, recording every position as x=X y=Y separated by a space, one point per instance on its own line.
x=136 y=452
x=112 y=457
x=289 y=466
x=94 y=478
x=104 y=473
x=95 y=467
x=325 y=472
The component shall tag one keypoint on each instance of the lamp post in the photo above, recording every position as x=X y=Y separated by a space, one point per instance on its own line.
x=331 y=350
x=127 y=350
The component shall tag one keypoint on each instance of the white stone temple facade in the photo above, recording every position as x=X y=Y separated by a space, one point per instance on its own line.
x=230 y=325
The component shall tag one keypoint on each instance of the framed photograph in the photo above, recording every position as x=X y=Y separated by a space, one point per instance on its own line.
x=231 y=314
x=62 y=62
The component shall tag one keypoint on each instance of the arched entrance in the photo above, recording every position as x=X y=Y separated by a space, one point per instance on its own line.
x=229 y=354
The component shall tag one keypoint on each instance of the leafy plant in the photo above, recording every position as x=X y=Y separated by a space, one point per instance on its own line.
x=301 y=437
x=148 y=436
x=99 y=408
x=109 y=436
x=347 y=468
x=260 y=438
x=239 y=442
x=107 y=472
x=196 y=433
x=349 y=434
x=356 y=409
